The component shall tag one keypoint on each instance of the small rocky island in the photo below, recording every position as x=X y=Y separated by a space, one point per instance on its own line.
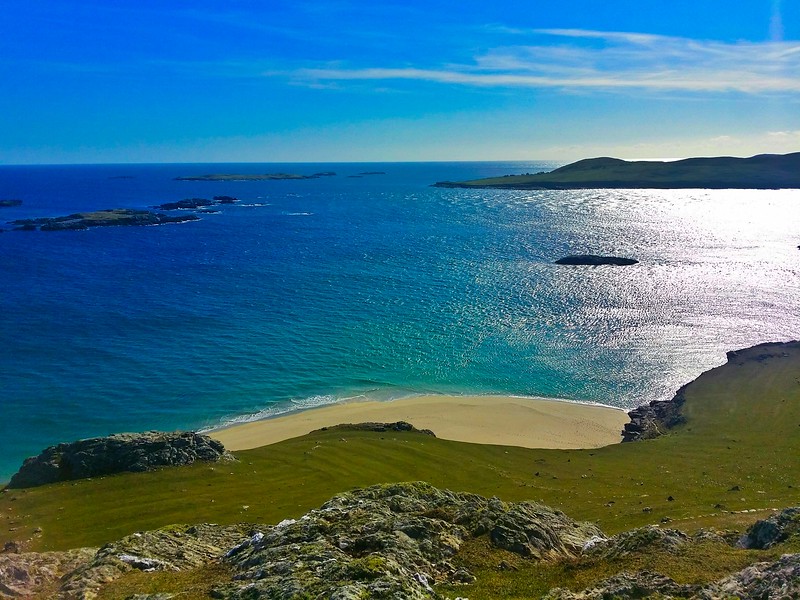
x=197 y=203
x=253 y=177
x=595 y=260
x=10 y=203
x=764 y=171
x=100 y=218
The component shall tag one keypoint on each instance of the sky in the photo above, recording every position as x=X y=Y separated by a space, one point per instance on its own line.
x=118 y=81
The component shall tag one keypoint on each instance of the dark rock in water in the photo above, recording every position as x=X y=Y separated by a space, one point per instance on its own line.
x=10 y=203
x=115 y=454
x=654 y=419
x=188 y=203
x=773 y=530
x=391 y=541
x=595 y=260
x=226 y=199
x=378 y=427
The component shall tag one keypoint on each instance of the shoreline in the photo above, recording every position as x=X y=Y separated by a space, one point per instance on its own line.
x=482 y=419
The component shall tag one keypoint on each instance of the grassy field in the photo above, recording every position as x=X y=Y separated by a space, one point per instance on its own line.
x=734 y=461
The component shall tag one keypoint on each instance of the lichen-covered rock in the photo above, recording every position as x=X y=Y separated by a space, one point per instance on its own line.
x=773 y=530
x=391 y=541
x=115 y=454
x=762 y=581
x=643 y=584
x=29 y=574
x=637 y=540
x=174 y=548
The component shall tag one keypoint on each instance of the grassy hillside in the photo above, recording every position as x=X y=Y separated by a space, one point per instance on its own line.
x=737 y=452
x=762 y=171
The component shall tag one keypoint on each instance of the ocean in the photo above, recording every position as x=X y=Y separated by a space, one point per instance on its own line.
x=308 y=292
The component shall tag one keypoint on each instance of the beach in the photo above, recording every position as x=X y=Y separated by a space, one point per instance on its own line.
x=501 y=420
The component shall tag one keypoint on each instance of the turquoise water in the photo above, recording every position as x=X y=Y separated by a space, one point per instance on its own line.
x=312 y=291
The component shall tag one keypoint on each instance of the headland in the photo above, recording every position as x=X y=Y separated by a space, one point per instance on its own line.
x=764 y=171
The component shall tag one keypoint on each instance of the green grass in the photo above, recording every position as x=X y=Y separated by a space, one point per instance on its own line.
x=737 y=452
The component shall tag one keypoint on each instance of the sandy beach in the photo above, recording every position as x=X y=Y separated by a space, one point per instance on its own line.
x=503 y=420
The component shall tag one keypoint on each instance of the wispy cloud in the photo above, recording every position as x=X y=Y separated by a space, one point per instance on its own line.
x=584 y=59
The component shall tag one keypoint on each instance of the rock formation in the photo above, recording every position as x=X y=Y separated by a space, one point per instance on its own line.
x=652 y=420
x=594 y=260
x=115 y=454
x=392 y=541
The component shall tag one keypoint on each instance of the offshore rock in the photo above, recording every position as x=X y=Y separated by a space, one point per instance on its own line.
x=391 y=541
x=593 y=260
x=115 y=454
x=654 y=419
x=776 y=529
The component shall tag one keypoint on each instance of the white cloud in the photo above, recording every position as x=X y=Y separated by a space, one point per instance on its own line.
x=583 y=59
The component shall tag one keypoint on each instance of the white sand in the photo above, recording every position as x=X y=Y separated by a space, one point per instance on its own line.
x=503 y=420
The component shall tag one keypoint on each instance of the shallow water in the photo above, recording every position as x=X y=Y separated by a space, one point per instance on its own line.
x=316 y=290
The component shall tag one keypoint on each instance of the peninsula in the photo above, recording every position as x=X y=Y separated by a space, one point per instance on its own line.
x=764 y=171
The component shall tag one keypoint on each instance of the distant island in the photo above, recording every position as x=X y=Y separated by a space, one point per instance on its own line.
x=10 y=203
x=253 y=177
x=100 y=218
x=764 y=171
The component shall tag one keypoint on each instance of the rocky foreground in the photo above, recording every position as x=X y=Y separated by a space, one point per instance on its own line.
x=391 y=541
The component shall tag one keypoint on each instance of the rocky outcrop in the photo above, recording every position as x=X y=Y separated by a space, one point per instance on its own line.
x=637 y=540
x=391 y=541
x=594 y=260
x=28 y=574
x=115 y=454
x=773 y=530
x=761 y=581
x=174 y=548
x=654 y=419
x=378 y=427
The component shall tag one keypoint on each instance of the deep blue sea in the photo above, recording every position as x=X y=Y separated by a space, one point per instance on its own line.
x=308 y=292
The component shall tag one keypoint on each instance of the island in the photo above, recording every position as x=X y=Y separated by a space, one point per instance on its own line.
x=10 y=203
x=764 y=171
x=594 y=260
x=100 y=218
x=253 y=177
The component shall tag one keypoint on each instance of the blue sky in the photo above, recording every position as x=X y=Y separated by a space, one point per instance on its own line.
x=168 y=81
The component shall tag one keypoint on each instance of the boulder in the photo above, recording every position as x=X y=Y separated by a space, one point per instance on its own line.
x=773 y=530
x=115 y=454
